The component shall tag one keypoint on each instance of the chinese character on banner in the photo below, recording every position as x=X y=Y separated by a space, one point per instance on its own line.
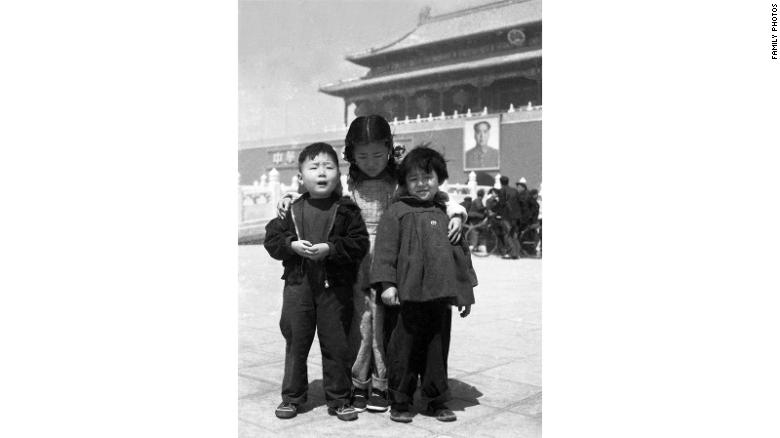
x=290 y=156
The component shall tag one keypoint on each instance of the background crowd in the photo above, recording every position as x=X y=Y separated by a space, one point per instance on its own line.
x=512 y=214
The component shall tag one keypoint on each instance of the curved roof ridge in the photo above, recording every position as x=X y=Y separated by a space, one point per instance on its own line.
x=377 y=49
x=466 y=11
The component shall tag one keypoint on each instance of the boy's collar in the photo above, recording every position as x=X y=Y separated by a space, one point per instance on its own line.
x=306 y=195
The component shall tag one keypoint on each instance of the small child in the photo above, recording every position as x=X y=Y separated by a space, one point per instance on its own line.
x=320 y=243
x=415 y=266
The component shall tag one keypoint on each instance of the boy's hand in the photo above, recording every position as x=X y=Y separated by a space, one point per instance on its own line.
x=455 y=227
x=282 y=206
x=390 y=296
x=301 y=247
x=319 y=251
x=465 y=312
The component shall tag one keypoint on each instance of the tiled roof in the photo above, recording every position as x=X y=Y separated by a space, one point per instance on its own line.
x=340 y=87
x=458 y=24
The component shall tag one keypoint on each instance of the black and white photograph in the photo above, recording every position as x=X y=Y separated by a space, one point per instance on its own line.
x=377 y=322
x=324 y=218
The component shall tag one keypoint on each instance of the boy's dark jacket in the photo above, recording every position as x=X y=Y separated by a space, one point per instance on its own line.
x=347 y=239
x=413 y=252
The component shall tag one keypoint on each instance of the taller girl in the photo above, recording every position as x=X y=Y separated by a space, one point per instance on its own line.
x=372 y=182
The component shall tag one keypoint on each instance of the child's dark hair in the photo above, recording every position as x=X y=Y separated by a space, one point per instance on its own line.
x=368 y=129
x=423 y=158
x=311 y=151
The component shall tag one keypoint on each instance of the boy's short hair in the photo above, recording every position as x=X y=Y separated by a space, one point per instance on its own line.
x=480 y=193
x=424 y=158
x=311 y=151
x=504 y=180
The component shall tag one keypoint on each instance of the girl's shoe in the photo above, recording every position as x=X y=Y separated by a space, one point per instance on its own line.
x=359 y=399
x=378 y=401
x=286 y=410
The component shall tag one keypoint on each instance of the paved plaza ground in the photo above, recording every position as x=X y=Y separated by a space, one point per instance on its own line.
x=495 y=364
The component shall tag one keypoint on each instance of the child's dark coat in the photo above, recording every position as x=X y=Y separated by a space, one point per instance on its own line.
x=413 y=252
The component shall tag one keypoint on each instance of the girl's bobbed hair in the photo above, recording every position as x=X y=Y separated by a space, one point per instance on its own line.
x=368 y=129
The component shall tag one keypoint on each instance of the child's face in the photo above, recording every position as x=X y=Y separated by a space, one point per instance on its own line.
x=319 y=175
x=371 y=158
x=422 y=184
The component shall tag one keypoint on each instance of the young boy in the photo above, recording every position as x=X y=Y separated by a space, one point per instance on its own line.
x=320 y=244
x=417 y=268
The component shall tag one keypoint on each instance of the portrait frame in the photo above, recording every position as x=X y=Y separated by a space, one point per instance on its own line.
x=494 y=143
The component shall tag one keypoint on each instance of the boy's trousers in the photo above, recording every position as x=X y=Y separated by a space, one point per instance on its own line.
x=329 y=311
x=368 y=341
x=419 y=345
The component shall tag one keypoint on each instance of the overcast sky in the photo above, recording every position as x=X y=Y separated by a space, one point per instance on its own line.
x=287 y=49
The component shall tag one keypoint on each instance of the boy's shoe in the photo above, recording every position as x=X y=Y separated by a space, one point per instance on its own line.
x=286 y=410
x=346 y=412
x=359 y=399
x=400 y=416
x=441 y=412
x=378 y=401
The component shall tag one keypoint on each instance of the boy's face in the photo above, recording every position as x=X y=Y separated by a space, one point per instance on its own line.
x=422 y=184
x=319 y=175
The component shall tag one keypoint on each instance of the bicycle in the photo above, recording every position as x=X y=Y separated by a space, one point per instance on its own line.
x=484 y=235
x=530 y=240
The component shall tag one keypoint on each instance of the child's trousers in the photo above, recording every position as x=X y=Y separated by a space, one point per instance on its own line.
x=419 y=346
x=369 y=366
x=329 y=311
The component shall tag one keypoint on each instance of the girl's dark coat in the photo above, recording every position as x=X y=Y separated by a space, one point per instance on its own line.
x=413 y=252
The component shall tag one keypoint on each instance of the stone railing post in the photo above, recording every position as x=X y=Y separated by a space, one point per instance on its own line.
x=497 y=185
x=274 y=186
x=472 y=184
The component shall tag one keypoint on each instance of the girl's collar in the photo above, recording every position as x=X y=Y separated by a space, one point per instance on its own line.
x=384 y=175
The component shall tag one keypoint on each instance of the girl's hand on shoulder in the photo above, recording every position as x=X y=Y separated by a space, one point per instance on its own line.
x=282 y=206
x=390 y=296
x=464 y=312
x=455 y=229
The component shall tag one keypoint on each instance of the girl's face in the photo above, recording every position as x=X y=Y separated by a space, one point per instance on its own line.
x=421 y=184
x=371 y=158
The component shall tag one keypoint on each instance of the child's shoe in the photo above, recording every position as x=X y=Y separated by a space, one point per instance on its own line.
x=378 y=401
x=286 y=410
x=400 y=416
x=359 y=399
x=441 y=412
x=346 y=412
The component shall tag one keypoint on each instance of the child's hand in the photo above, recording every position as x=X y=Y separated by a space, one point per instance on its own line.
x=301 y=247
x=465 y=312
x=455 y=227
x=390 y=296
x=282 y=206
x=319 y=251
